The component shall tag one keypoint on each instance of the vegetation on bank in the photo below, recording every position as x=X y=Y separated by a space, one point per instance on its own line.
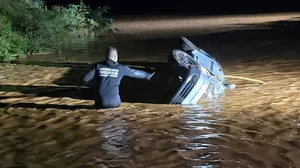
x=28 y=27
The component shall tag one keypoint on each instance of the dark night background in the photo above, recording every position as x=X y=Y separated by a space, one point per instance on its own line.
x=136 y=7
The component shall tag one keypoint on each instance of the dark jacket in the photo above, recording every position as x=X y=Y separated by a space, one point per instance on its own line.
x=108 y=75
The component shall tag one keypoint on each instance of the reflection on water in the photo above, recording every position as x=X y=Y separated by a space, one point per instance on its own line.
x=92 y=49
x=198 y=125
x=114 y=135
x=46 y=121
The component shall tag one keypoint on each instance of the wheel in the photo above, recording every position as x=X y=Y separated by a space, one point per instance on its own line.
x=184 y=59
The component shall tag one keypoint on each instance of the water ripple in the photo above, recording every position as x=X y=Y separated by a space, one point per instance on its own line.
x=199 y=125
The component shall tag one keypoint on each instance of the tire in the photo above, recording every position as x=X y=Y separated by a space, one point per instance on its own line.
x=183 y=59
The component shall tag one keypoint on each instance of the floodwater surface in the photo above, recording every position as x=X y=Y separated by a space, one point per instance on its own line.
x=48 y=121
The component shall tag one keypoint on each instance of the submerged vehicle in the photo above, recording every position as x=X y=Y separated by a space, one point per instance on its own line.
x=194 y=75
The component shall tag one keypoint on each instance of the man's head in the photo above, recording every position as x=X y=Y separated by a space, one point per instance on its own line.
x=112 y=53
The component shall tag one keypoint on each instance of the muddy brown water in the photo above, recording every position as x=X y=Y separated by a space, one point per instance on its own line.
x=47 y=122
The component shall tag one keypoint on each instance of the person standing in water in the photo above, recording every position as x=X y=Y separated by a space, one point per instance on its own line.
x=108 y=75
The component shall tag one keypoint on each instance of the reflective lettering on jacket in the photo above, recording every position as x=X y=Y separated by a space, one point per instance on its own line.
x=108 y=72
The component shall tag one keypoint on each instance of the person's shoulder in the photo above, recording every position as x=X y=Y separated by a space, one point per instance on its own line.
x=123 y=66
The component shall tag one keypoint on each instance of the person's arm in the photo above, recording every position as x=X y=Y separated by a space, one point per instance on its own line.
x=134 y=73
x=89 y=74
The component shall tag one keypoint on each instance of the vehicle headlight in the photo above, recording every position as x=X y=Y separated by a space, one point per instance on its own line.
x=208 y=94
